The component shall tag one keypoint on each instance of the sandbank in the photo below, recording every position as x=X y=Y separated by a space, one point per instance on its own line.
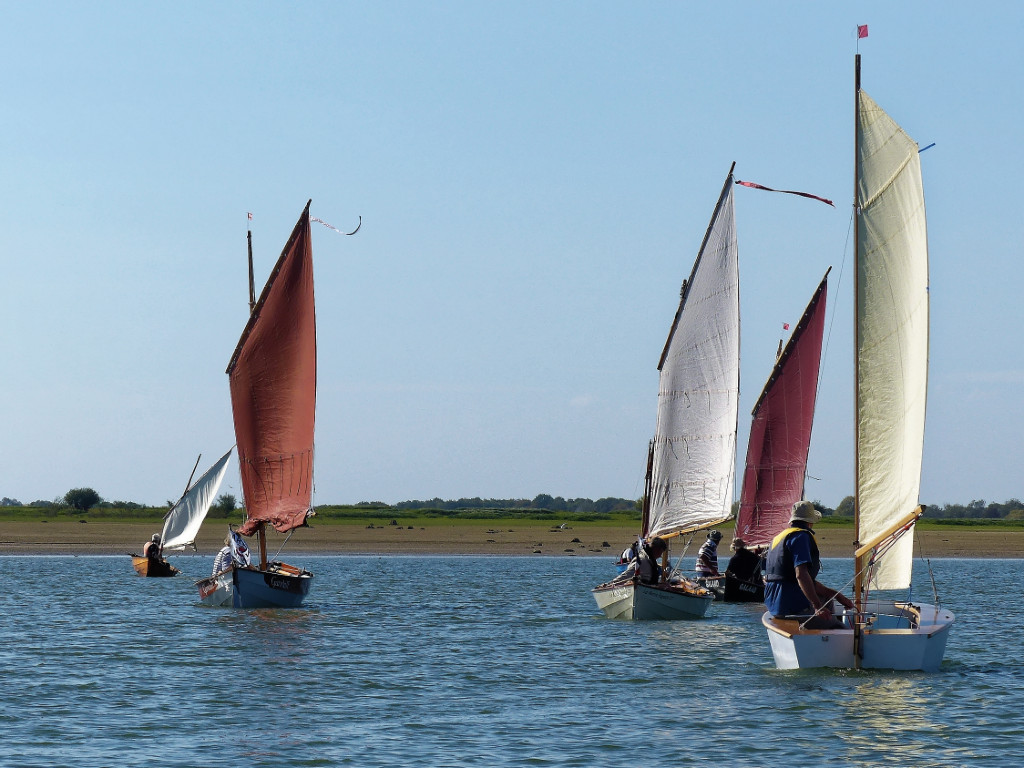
x=458 y=537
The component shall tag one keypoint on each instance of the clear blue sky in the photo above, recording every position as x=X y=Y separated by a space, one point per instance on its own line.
x=534 y=179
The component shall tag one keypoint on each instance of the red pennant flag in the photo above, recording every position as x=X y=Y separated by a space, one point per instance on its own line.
x=752 y=185
x=862 y=31
x=785 y=326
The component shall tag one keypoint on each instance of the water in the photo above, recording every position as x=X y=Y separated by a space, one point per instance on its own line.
x=466 y=661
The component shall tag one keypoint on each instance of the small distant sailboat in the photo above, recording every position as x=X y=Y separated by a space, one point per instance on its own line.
x=272 y=377
x=692 y=458
x=183 y=520
x=780 y=438
x=891 y=340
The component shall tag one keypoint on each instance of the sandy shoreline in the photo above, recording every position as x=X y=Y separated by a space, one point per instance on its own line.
x=462 y=537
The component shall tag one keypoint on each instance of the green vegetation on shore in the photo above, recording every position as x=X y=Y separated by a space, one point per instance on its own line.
x=366 y=514
x=85 y=503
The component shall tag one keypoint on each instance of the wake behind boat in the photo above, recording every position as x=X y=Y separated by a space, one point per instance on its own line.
x=272 y=377
x=891 y=340
x=691 y=461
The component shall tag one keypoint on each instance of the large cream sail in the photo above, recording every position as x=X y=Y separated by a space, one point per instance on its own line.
x=698 y=400
x=892 y=334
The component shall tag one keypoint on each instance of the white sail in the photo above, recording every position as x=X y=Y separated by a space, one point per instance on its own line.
x=698 y=400
x=182 y=522
x=892 y=334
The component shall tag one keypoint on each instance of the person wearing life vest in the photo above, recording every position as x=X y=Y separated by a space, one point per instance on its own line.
x=645 y=564
x=791 y=587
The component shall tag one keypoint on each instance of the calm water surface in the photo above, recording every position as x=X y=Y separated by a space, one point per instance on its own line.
x=465 y=661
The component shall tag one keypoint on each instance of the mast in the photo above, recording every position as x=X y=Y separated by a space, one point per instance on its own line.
x=252 y=284
x=189 y=483
x=858 y=579
x=646 y=509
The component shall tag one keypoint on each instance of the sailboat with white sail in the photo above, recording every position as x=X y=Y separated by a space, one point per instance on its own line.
x=272 y=377
x=692 y=458
x=780 y=438
x=891 y=364
x=184 y=519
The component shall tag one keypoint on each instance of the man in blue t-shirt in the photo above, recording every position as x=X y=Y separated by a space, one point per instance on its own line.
x=791 y=571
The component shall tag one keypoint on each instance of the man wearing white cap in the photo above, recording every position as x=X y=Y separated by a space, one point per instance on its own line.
x=791 y=588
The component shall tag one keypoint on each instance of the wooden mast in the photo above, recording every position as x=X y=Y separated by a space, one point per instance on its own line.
x=858 y=576
x=261 y=532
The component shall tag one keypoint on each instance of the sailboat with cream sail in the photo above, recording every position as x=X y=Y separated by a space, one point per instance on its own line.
x=184 y=519
x=891 y=371
x=692 y=458
x=272 y=377
x=780 y=438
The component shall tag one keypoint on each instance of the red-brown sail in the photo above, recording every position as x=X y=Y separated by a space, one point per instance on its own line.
x=273 y=392
x=780 y=433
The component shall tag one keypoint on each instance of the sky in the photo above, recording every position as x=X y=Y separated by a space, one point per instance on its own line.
x=534 y=180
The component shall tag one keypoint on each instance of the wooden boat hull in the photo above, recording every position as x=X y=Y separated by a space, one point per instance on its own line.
x=149 y=567
x=739 y=591
x=646 y=602
x=901 y=636
x=280 y=586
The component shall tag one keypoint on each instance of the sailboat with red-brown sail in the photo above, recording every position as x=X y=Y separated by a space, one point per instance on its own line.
x=272 y=377
x=780 y=438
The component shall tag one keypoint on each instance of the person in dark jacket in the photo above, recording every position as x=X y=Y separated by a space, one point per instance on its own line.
x=791 y=587
x=744 y=563
x=152 y=547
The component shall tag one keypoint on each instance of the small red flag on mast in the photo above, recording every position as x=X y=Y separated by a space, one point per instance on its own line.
x=785 y=326
x=862 y=31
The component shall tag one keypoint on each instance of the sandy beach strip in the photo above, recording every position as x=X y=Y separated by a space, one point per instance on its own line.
x=455 y=537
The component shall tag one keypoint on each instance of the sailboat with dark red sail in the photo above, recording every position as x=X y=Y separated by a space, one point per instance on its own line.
x=780 y=438
x=272 y=377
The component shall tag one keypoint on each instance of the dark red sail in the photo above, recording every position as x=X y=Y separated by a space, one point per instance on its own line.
x=273 y=392
x=780 y=433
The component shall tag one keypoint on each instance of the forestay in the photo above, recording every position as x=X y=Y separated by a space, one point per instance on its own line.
x=183 y=520
x=694 y=445
x=892 y=333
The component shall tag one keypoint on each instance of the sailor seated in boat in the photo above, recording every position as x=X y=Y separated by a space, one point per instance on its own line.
x=791 y=588
x=707 y=556
x=152 y=547
x=645 y=564
x=744 y=564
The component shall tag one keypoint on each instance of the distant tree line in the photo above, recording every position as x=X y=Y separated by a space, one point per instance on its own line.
x=976 y=510
x=84 y=499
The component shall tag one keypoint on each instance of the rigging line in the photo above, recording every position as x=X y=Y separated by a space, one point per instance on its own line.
x=928 y=562
x=835 y=308
x=283 y=543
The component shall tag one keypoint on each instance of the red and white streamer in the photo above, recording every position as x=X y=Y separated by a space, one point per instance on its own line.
x=752 y=185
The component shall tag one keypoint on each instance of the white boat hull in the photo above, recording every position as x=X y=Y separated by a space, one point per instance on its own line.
x=901 y=636
x=280 y=586
x=216 y=590
x=645 y=602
